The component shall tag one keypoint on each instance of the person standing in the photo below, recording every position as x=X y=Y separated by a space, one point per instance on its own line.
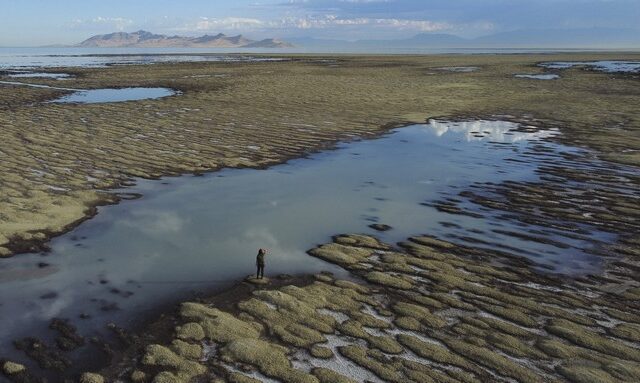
x=260 y=263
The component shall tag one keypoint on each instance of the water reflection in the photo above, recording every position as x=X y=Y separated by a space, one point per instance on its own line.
x=93 y=96
x=602 y=66
x=538 y=76
x=57 y=76
x=194 y=233
x=495 y=131
x=459 y=69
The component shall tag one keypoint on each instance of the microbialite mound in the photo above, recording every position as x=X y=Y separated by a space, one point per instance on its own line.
x=430 y=311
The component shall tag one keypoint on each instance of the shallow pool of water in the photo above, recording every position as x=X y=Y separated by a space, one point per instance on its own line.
x=610 y=66
x=538 y=76
x=93 y=96
x=459 y=69
x=57 y=76
x=193 y=233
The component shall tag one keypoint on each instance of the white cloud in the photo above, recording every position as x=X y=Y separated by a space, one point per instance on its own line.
x=207 y=23
x=117 y=23
x=330 y=21
x=309 y=22
x=156 y=223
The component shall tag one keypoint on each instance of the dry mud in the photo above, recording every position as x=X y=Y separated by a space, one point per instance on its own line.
x=57 y=160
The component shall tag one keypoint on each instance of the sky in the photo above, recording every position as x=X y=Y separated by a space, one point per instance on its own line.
x=43 y=22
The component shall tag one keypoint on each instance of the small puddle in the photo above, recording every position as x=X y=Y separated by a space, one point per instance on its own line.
x=459 y=69
x=538 y=76
x=94 y=96
x=57 y=76
x=609 y=66
x=191 y=233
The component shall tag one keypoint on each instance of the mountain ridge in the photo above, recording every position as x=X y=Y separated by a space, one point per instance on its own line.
x=523 y=38
x=145 y=39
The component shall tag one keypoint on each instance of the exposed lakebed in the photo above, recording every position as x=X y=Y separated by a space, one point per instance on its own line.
x=195 y=233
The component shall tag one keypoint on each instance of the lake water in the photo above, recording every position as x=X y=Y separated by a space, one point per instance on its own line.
x=459 y=69
x=30 y=58
x=538 y=76
x=609 y=66
x=194 y=233
x=57 y=76
x=40 y=57
x=93 y=96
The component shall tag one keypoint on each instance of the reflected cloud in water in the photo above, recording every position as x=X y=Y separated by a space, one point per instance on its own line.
x=610 y=66
x=486 y=130
x=200 y=232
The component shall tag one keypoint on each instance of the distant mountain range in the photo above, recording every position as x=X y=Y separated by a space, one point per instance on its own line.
x=603 y=38
x=144 y=39
x=527 y=38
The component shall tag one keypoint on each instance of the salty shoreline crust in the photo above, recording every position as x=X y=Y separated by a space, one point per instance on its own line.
x=466 y=318
x=58 y=160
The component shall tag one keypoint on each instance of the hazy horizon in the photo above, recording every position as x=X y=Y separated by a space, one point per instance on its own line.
x=35 y=23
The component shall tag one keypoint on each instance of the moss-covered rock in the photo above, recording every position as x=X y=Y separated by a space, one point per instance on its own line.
x=493 y=360
x=360 y=241
x=186 y=350
x=89 y=377
x=237 y=377
x=167 y=377
x=383 y=343
x=180 y=367
x=580 y=373
x=360 y=356
x=269 y=358
x=585 y=338
x=627 y=331
x=190 y=331
x=341 y=254
x=436 y=353
x=419 y=313
x=138 y=376
x=321 y=352
x=12 y=368
x=388 y=280
x=407 y=323
x=216 y=324
x=326 y=375
x=624 y=371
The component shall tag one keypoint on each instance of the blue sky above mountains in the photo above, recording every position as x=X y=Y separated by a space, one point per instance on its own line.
x=37 y=22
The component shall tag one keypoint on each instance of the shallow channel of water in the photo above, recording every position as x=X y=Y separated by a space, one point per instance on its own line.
x=57 y=76
x=609 y=66
x=193 y=233
x=538 y=76
x=93 y=96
